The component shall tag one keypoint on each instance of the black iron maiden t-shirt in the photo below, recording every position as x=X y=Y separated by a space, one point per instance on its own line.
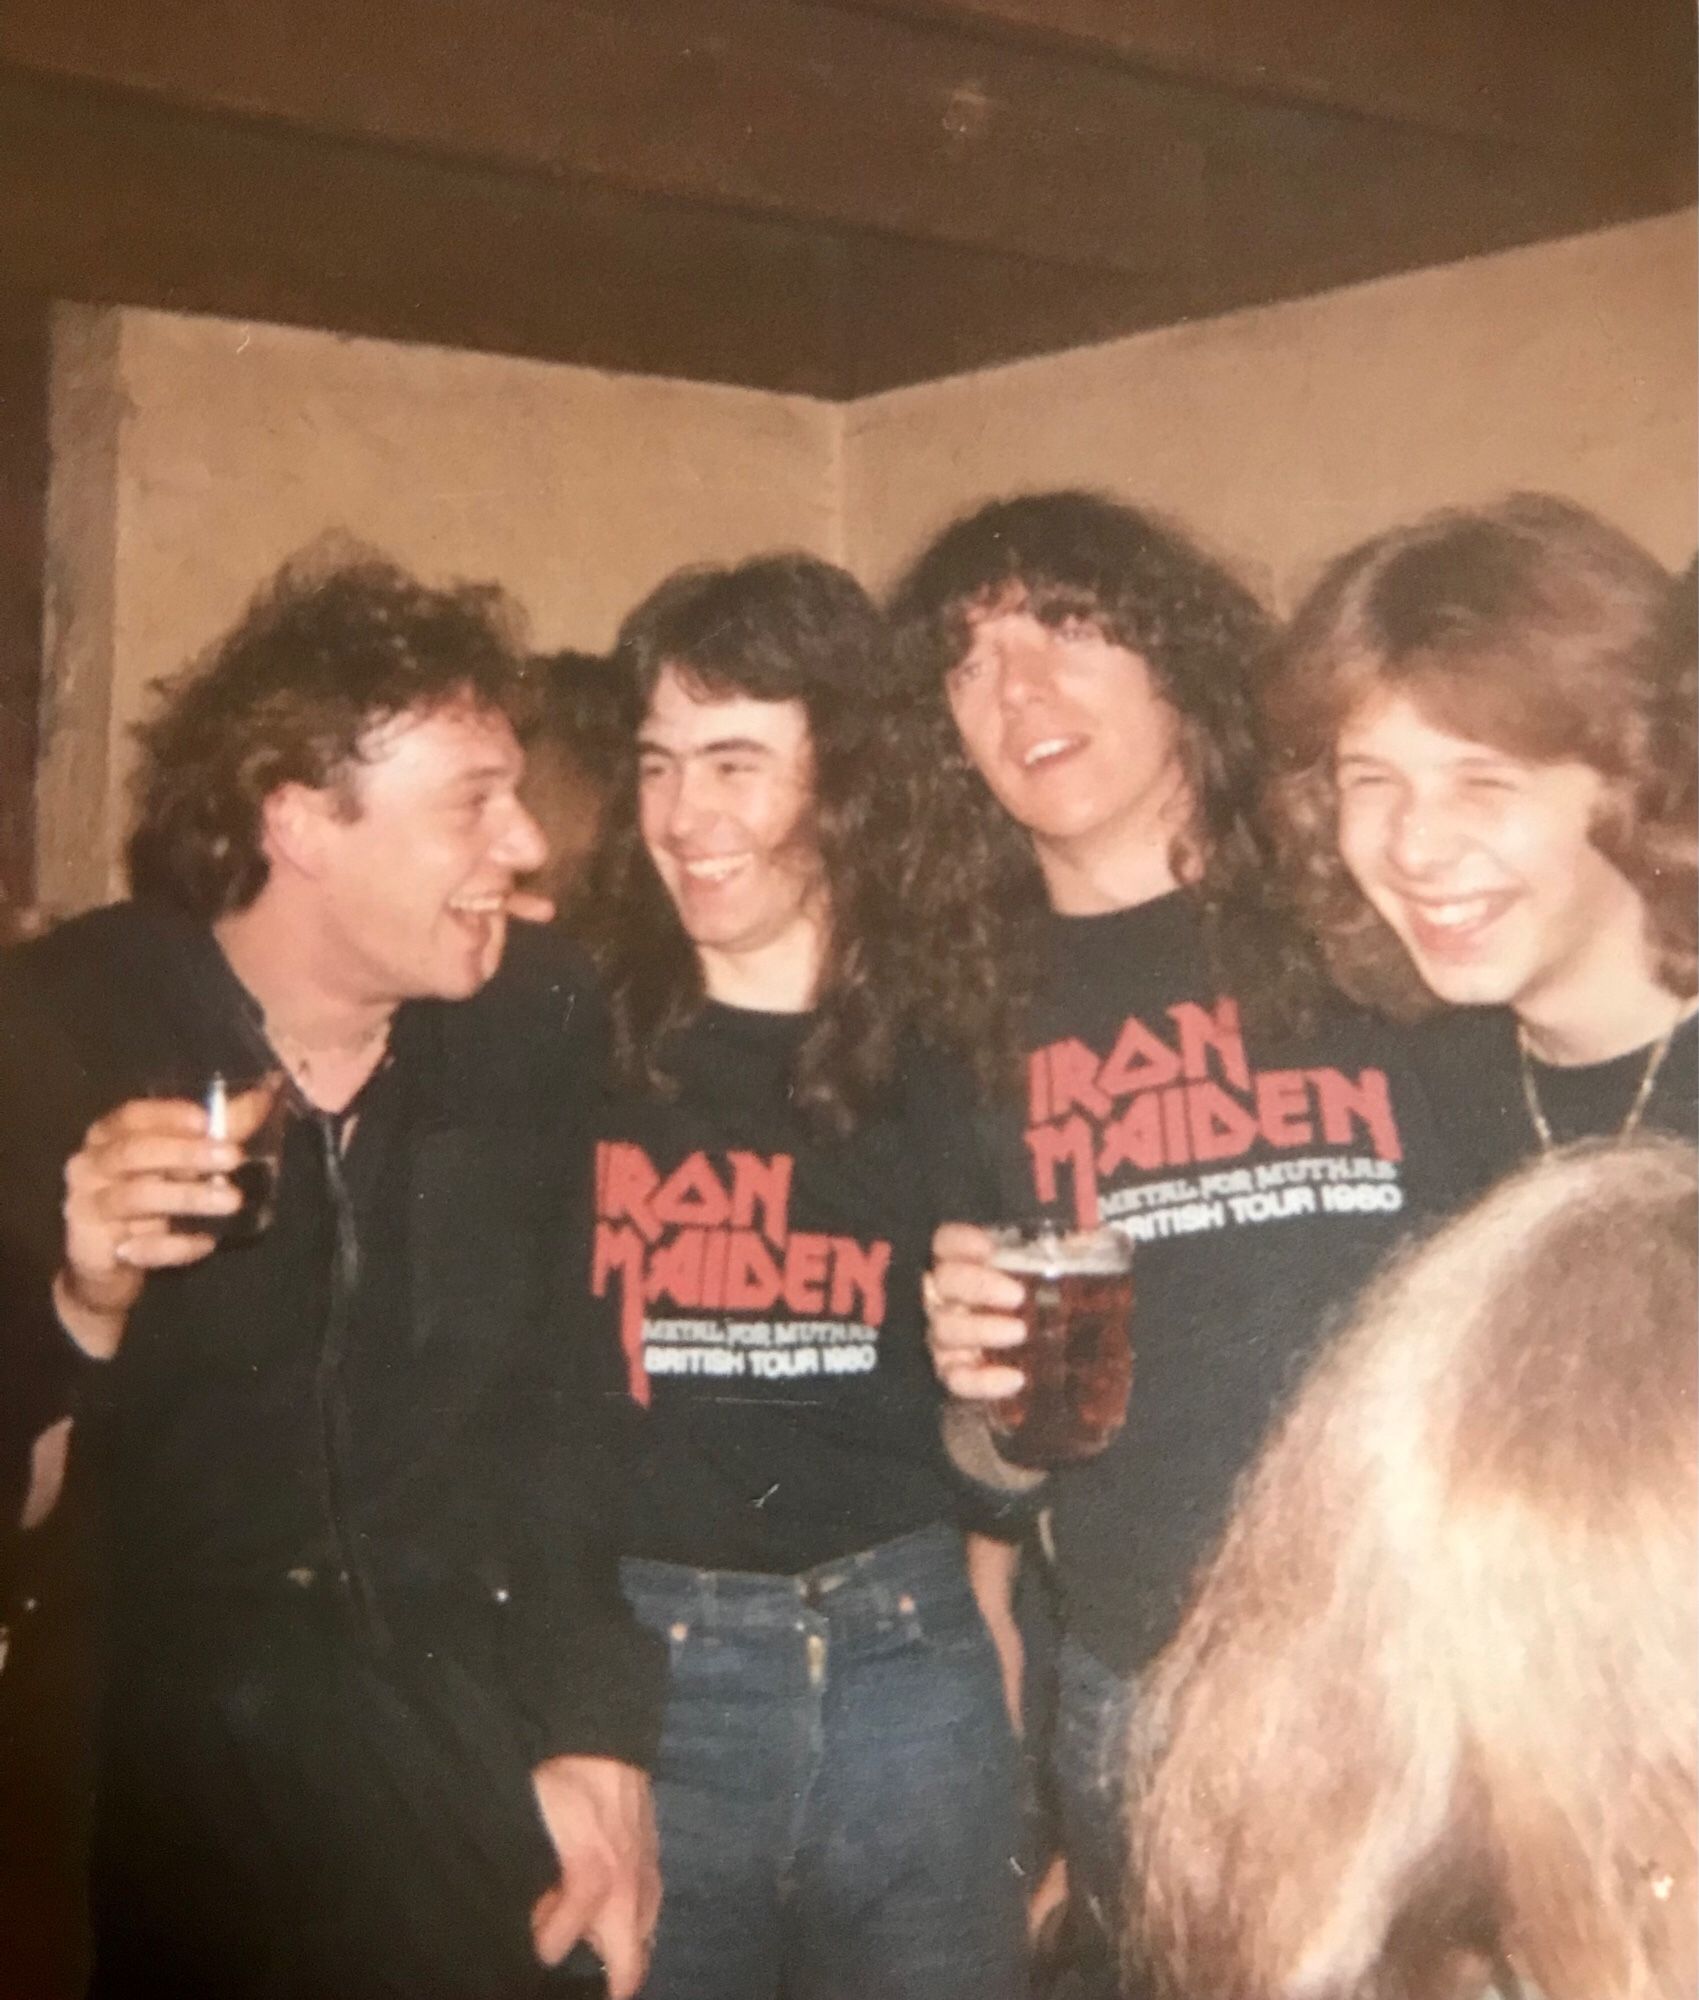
x=766 y=1281
x=1260 y=1180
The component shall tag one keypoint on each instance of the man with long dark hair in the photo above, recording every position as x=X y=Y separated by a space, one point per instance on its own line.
x=835 y=1783
x=374 y=1710
x=1090 y=914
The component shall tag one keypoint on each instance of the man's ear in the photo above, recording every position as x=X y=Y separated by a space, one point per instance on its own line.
x=295 y=822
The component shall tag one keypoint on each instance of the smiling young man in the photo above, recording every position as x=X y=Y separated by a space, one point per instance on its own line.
x=1485 y=795
x=374 y=1709
x=1089 y=914
x=835 y=1785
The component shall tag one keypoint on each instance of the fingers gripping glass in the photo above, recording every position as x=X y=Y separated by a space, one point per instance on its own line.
x=255 y=1112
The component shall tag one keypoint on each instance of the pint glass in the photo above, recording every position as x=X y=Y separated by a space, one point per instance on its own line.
x=1076 y=1357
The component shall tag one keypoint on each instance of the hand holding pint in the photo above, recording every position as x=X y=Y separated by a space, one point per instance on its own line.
x=1076 y=1357
x=1031 y=1325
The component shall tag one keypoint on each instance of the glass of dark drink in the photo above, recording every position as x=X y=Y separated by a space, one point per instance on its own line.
x=1077 y=1357
x=231 y=1105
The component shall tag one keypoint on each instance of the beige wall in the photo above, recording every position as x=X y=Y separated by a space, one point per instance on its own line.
x=192 y=455
x=1285 y=433
x=233 y=446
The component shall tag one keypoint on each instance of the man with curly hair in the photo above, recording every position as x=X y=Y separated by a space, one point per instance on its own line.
x=1091 y=917
x=374 y=1710
x=835 y=1784
x=1484 y=792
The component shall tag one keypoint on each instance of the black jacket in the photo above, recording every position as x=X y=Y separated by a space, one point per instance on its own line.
x=477 y=1462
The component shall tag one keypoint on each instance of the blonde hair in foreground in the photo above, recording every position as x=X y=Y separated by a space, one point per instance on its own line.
x=1433 y=1705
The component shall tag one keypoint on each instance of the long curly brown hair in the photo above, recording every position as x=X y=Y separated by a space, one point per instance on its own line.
x=779 y=628
x=1531 y=625
x=973 y=898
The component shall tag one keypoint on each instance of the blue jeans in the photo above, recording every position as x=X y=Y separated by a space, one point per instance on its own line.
x=1093 y=1709
x=836 y=1785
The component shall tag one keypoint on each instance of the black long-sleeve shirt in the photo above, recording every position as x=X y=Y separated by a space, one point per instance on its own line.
x=390 y=1385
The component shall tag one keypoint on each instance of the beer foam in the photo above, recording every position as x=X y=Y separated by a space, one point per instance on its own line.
x=1103 y=1255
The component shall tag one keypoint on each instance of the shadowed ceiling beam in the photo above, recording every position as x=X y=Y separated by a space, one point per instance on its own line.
x=113 y=201
x=822 y=116
x=1564 y=74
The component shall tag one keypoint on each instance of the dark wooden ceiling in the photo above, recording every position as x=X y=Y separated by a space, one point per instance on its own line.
x=830 y=196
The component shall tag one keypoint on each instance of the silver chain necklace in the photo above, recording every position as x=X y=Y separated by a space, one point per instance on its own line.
x=1630 y=1125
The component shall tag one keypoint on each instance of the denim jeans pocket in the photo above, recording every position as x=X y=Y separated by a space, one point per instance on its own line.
x=943 y=1623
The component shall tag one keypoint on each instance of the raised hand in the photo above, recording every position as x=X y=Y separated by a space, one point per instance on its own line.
x=141 y=1170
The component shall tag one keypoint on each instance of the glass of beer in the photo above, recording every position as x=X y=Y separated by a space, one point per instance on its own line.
x=255 y=1178
x=1077 y=1357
